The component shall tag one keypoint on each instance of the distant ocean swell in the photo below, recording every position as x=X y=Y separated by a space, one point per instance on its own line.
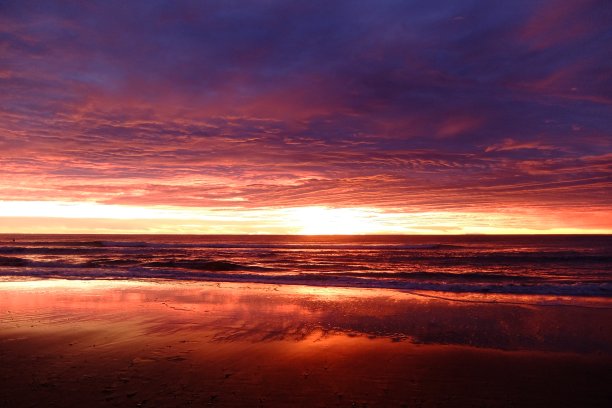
x=568 y=266
x=456 y=284
x=48 y=246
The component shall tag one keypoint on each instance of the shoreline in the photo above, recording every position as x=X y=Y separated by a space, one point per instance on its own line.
x=442 y=289
x=118 y=343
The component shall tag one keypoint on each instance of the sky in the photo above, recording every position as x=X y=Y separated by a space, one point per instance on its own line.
x=432 y=117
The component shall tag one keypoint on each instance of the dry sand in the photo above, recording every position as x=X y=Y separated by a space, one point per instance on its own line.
x=96 y=343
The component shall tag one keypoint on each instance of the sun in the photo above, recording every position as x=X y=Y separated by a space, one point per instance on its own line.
x=335 y=221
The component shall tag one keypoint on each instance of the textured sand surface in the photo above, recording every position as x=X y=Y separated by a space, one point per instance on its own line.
x=169 y=345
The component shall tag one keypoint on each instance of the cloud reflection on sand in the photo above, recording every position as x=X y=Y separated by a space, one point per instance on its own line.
x=225 y=313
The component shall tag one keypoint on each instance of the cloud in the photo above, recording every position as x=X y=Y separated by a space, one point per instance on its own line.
x=510 y=144
x=388 y=104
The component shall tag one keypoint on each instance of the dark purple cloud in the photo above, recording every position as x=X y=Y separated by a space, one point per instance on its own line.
x=412 y=105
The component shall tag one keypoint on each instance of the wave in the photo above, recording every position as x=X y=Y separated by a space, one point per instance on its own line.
x=538 y=257
x=195 y=265
x=331 y=246
x=205 y=265
x=599 y=289
x=305 y=271
x=469 y=276
x=111 y=262
x=94 y=244
x=235 y=245
x=481 y=267
x=12 y=261
x=51 y=250
x=437 y=253
x=59 y=243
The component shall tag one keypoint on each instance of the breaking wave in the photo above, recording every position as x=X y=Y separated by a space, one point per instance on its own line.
x=575 y=266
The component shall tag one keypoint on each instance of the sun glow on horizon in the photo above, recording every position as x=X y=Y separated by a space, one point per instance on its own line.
x=344 y=221
x=96 y=218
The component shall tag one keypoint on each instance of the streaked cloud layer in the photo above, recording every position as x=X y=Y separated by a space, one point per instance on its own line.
x=481 y=113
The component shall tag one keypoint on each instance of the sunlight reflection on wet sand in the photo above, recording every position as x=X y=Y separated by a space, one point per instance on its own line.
x=220 y=340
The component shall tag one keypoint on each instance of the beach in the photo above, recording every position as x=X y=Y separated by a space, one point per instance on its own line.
x=168 y=344
x=356 y=204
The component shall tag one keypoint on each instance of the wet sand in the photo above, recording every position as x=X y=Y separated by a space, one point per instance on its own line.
x=101 y=343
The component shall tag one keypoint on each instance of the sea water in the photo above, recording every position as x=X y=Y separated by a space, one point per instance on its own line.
x=569 y=265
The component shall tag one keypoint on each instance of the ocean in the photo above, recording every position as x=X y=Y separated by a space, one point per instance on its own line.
x=567 y=265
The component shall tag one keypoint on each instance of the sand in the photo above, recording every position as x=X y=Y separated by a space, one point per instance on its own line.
x=117 y=343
